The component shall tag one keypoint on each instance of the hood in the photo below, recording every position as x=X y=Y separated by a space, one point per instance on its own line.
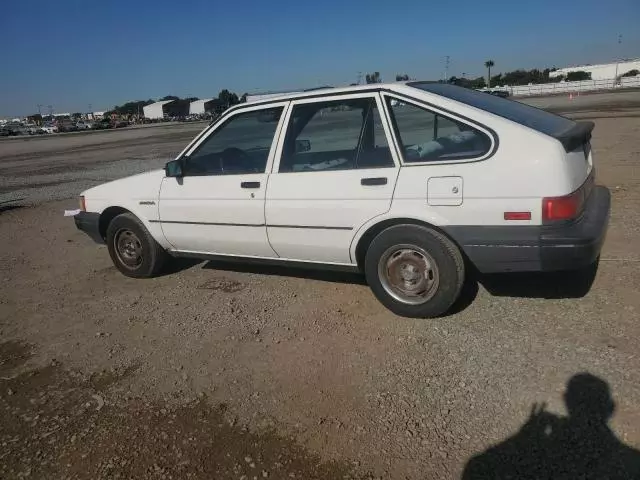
x=143 y=185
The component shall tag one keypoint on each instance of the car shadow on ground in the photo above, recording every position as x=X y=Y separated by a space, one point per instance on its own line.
x=549 y=446
x=10 y=207
x=287 y=271
x=176 y=265
x=550 y=285
x=554 y=285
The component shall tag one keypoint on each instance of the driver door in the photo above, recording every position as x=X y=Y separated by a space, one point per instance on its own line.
x=217 y=206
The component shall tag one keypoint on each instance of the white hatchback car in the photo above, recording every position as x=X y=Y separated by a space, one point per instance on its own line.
x=411 y=184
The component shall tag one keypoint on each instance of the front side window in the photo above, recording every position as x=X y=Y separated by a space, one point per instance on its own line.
x=240 y=146
x=335 y=135
x=428 y=136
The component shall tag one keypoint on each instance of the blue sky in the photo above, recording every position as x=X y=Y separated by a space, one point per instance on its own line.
x=72 y=53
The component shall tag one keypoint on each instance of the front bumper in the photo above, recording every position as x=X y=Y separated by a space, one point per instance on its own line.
x=89 y=223
x=569 y=246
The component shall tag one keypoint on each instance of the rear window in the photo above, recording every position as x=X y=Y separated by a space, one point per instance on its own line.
x=526 y=115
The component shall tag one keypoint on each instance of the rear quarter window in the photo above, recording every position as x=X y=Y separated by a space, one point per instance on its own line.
x=426 y=136
x=534 y=118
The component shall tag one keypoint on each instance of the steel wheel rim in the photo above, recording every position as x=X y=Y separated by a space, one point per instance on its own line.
x=409 y=274
x=128 y=248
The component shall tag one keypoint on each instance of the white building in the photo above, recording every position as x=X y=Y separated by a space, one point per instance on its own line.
x=198 y=107
x=155 y=110
x=604 y=71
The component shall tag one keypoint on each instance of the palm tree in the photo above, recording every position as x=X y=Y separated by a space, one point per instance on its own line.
x=489 y=64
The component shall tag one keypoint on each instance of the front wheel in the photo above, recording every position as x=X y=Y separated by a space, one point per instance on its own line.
x=414 y=271
x=132 y=248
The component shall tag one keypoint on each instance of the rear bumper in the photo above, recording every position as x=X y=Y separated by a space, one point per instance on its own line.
x=89 y=223
x=568 y=246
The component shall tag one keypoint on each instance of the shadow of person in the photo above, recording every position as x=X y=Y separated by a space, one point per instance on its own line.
x=579 y=446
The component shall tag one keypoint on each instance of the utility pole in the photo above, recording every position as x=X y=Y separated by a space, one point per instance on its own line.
x=39 y=109
x=359 y=78
x=50 y=111
x=446 y=67
x=618 y=59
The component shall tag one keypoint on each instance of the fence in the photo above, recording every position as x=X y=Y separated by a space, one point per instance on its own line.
x=569 y=87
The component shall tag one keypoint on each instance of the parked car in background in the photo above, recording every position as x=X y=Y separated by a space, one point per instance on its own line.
x=410 y=184
x=16 y=129
x=499 y=93
x=103 y=124
x=48 y=128
x=31 y=129
x=65 y=126
x=83 y=125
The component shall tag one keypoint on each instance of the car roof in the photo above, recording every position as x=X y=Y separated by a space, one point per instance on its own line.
x=322 y=91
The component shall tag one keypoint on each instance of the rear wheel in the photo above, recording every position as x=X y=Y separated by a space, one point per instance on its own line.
x=414 y=271
x=132 y=248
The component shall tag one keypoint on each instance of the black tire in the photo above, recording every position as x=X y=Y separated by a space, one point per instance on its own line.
x=126 y=228
x=442 y=252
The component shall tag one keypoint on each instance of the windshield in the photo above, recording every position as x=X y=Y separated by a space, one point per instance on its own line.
x=526 y=115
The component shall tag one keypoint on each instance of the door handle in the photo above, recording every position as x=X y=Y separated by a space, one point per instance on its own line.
x=250 y=184
x=374 y=181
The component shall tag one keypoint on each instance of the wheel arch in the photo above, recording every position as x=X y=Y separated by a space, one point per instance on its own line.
x=109 y=214
x=372 y=231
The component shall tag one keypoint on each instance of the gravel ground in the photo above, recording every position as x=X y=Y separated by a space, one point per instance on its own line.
x=227 y=371
x=39 y=169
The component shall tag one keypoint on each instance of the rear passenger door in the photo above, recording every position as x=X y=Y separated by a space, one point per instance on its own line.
x=334 y=171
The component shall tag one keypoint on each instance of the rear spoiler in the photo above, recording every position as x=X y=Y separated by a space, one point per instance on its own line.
x=576 y=136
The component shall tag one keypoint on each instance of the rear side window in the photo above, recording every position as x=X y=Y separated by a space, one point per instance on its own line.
x=428 y=136
x=335 y=135
x=540 y=120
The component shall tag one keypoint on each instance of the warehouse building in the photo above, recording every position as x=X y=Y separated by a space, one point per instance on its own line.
x=156 y=110
x=205 y=105
x=604 y=71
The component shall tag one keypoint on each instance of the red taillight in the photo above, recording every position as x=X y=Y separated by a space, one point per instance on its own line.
x=562 y=208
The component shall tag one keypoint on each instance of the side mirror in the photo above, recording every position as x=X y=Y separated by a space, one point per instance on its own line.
x=174 y=168
x=303 y=146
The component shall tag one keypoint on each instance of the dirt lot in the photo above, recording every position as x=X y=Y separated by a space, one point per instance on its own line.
x=224 y=371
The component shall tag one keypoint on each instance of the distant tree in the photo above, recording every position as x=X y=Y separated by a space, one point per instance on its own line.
x=478 y=83
x=243 y=98
x=169 y=97
x=373 y=77
x=496 y=80
x=132 y=108
x=35 y=118
x=578 y=75
x=488 y=64
x=76 y=116
x=402 y=77
x=631 y=73
x=474 y=83
x=224 y=97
